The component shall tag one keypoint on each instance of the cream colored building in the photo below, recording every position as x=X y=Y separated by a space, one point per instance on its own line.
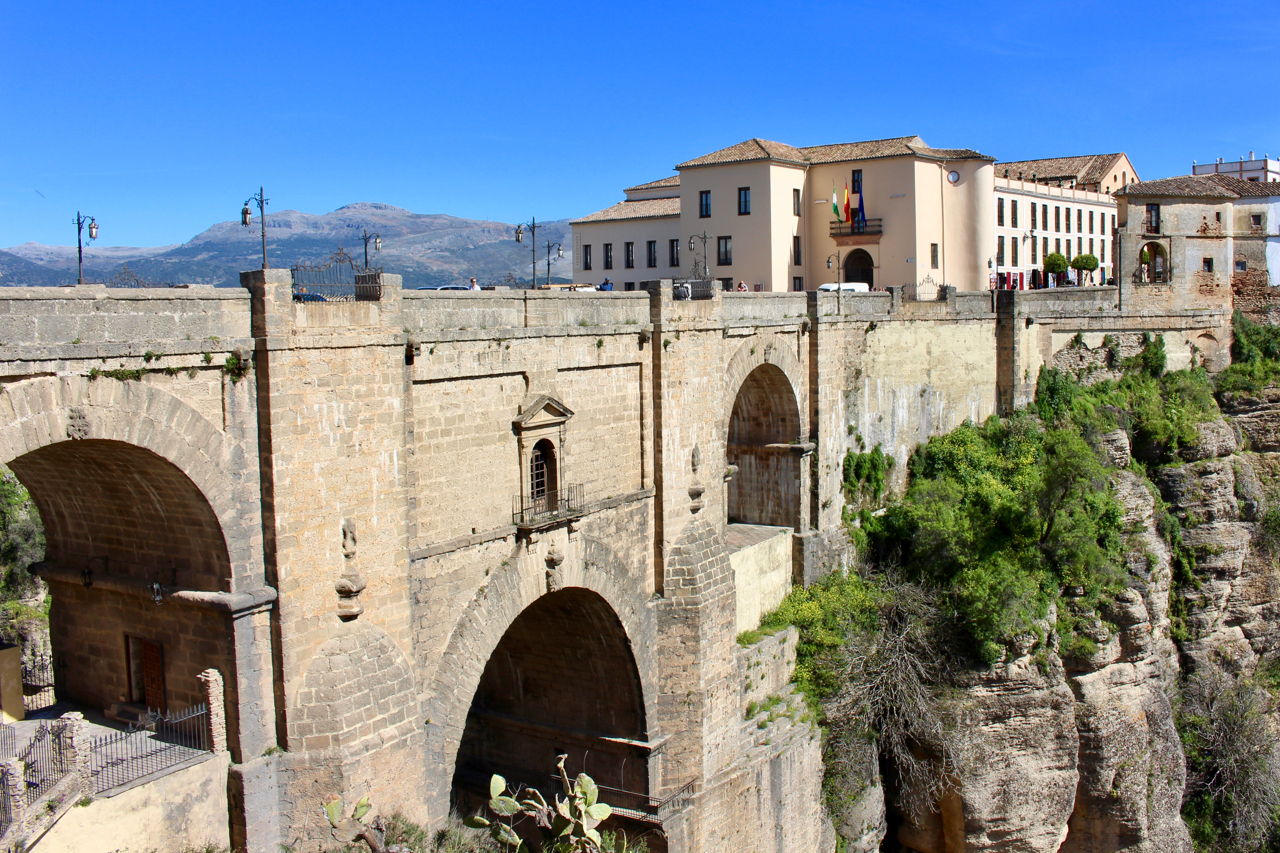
x=1061 y=204
x=759 y=212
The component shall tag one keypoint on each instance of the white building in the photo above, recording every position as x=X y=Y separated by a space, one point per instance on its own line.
x=1264 y=171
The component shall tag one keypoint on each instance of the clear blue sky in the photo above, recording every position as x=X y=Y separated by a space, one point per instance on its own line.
x=160 y=118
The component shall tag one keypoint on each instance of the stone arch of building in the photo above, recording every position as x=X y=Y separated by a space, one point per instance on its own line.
x=597 y=583
x=859 y=266
x=751 y=354
x=55 y=417
x=765 y=422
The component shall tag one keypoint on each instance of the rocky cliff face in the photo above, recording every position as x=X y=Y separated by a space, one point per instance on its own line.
x=1081 y=754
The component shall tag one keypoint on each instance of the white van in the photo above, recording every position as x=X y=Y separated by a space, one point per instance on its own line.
x=850 y=286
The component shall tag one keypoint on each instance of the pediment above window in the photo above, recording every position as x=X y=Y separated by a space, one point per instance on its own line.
x=542 y=411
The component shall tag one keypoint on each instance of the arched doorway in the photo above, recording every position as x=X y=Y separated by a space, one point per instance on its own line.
x=126 y=534
x=562 y=680
x=763 y=429
x=858 y=266
x=1153 y=264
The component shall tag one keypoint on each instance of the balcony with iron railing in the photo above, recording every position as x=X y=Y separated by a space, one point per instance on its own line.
x=550 y=507
x=1150 y=224
x=857 y=227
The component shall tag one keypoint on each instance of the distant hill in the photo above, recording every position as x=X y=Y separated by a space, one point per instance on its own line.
x=427 y=249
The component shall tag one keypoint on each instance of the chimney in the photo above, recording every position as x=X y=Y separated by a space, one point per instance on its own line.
x=1250 y=155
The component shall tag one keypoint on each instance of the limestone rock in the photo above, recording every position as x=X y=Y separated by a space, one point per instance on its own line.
x=1115 y=447
x=1200 y=491
x=1257 y=416
x=1214 y=439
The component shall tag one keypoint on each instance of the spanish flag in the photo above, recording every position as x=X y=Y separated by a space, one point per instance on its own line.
x=835 y=203
x=846 y=203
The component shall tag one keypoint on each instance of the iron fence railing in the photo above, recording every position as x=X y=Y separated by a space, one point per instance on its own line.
x=858 y=226
x=549 y=506
x=638 y=806
x=157 y=743
x=37 y=683
x=336 y=280
x=45 y=759
x=6 y=807
x=8 y=741
x=126 y=277
x=683 y=291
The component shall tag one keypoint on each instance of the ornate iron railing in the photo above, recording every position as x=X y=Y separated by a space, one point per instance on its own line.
x=682 y=291
x=157 y=743
x=637 y=806
x=863 y=226
x=8 y=741
x=6 y=807
x=128 y=278
x=528 y=510
x=336 y=280
x=45 y=759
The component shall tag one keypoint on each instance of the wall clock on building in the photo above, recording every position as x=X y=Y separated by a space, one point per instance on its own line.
x=953 y=177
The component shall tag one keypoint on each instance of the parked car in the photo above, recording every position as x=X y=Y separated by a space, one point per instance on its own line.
x=852 y=286
x=445 y=287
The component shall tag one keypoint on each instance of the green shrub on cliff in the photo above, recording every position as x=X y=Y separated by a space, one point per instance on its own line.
x=1255 y=357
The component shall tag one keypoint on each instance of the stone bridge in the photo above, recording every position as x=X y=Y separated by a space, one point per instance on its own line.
x=430 y=536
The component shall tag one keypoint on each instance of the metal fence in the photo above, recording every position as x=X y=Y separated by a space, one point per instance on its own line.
x=45 y=759
x=128 y=278
x=6 y=807
x=8 y=741
x=637 y=806
x=683 y=291
x=157 y=743
x=37 y=683
x=551 y=505
x=336 y=280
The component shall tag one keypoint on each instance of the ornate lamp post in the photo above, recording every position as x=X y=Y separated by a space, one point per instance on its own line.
x=246 y=217
x=559 y=254
x=80 y=222
x=839 y=279
x=706 y=272
x=533 y=238
x=377 y=244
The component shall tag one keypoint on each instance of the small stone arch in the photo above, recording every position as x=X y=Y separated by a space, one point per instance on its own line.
x=510 y=590
x=1156 y=268
x=860 y=266
x=38 y=413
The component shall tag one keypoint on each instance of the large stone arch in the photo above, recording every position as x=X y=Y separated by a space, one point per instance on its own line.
x=38 y=413
x=752 y=353
x=763 y=442
x=509 y=591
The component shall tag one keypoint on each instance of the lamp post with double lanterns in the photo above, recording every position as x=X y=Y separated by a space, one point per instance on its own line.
x=246 y=219
x=706 y=272
x=532 y=225
x=559 y=254
x=80 y=222
x=377 y=244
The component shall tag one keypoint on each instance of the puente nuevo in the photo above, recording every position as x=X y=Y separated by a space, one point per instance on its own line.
x=425 y=537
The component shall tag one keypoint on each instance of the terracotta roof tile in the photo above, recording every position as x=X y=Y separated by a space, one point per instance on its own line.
x=663 y=183
x=841 y=152
x=949 y=153
x=642 y=209
x=1243 y=188
x=1192 y=186
x=1085 y=169
x=746 y=152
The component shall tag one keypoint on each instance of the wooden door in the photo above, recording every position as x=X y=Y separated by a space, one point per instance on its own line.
x=152 y=675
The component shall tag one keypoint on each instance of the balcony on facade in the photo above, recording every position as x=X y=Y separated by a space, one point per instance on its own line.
x=850 y=229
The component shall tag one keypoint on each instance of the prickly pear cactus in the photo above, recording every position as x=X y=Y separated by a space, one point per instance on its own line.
x=568 y=827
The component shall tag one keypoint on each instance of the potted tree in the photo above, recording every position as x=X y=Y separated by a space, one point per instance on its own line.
x=1082 y=264
x=1055 y=264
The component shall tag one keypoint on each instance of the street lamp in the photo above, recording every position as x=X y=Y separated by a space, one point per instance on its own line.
x=839 y=279
x=80 y=222
x=533 y=238
x=377 y=244
x=559 y=254
x=706 y=273
x=246 y=217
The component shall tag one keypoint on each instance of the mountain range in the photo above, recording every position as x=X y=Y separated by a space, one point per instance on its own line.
x=427 y=249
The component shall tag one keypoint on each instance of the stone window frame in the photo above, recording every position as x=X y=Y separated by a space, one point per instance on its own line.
x=651 y=254
x=704 y=204
x=673 y=252
x=629 y=255
x=554 y=428
x=744 y=201
x=724 y=251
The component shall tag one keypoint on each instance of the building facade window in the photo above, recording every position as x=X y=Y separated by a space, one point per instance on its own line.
x=797 y=283
x=1044 y=217
x=933 y=255
x=1057 y=218
x=1079 y=220
x=1113 y=223
x=1000 y=212
x=1013 y=251
x=744 y=201
x=795 y=251
x=1013 y=213
x=1035 y=255
x=1151 y=221
x=673 y=253
x=1091 y=245
x=1067 y=216
x=629 y=255
x=724 y=251
x=1255 y=219
x=704 y=204
x=1242 y=266
x=856 y=185
x=608 y=256
x=795 y=202
x=1091 y=222
x=1102 y=250
x=651 y=254
x=1079 y=245
x=1000 y=251
x=586 y=257
x=1057 y=246
x=1046 y=247
x=1208 y=264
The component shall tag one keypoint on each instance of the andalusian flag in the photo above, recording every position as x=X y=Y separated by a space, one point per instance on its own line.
x=847 y=217
x=835 y=202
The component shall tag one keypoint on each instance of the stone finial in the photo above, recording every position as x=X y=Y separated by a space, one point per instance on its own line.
x=696 y=488
x=351 y=583
x=214 y=697
x=697 y=458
